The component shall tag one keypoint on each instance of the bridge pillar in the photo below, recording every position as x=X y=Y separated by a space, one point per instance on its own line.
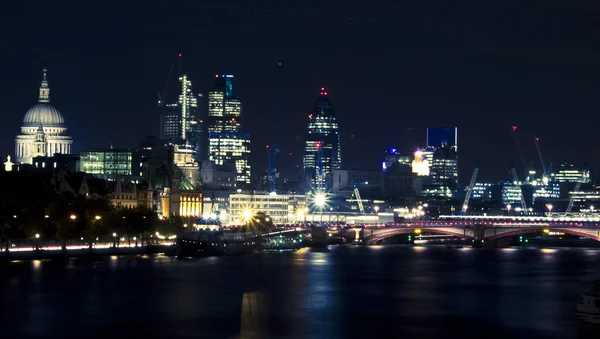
x=318 y=236
x=359 y=236
x=478 y=236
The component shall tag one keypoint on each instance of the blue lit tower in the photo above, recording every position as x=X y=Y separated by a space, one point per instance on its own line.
x=322 y=151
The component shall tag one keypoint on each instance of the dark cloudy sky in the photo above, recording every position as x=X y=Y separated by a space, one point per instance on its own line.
x=392 y=68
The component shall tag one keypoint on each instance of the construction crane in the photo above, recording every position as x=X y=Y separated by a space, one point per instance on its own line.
x=361 y=208
x=272 y=174
x=577 y=188
x=539 y=150
x=516 y=180
x=519 y=149
x=162 y=97
x=470 y=190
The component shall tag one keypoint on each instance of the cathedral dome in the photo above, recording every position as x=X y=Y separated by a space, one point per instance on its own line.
x=42 y=112
x=45 y=114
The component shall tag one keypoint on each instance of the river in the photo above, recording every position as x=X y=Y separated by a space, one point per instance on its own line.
x=348 y=292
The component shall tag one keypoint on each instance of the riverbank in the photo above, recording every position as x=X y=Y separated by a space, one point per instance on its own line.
x=85 y=252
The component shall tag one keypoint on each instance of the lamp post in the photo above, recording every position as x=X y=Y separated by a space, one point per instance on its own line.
x=549 y=207
x=37 y=241
x=508 y=207
x=115 y=240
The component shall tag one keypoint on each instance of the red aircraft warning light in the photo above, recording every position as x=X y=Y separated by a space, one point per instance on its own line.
x=514 y=128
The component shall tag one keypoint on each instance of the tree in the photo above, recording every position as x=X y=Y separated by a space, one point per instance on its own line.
x=96 y=213
x=170 y=226
x=63 y=218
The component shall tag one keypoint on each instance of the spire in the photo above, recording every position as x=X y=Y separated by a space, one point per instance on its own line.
x=44 y=89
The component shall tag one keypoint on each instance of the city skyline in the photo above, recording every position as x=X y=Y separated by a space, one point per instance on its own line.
x=481 y=100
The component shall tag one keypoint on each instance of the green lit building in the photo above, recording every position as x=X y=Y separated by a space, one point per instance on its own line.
x=110 y=163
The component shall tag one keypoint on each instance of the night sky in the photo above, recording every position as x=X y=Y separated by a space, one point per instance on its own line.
x=391 y=70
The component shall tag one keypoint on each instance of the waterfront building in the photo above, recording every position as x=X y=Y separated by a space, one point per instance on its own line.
x=228 y=145
x=43 y=132
x=322 y=150
x=281 y=208
x=215 y=205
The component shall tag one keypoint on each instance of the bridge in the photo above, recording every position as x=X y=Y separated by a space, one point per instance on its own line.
x=481 y=230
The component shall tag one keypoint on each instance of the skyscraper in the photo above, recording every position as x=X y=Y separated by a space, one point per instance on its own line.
x=180 y=122
x=228 y=145
x=322 y=150
x=439 y=137
x=442 y=159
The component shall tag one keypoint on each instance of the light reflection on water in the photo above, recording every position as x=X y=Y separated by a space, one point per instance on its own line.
x=349 y=292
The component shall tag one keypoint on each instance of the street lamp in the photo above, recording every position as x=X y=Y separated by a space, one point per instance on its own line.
x=299 y=215
x=508 y=207
x=97 y=217
x=319 y=200
x=549 y=206
x=376 y=208
x=247 y=215
x=73 y=217
x=592 y=208
x=115 y=241
x=37 y=242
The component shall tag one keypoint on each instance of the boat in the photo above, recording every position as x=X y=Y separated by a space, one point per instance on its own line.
x=208 y=238
x=588 y=309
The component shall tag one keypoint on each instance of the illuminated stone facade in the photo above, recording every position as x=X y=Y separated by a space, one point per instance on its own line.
x=43 y=132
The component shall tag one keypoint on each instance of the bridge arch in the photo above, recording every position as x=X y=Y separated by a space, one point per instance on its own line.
x=587 y=233
x=380 y=234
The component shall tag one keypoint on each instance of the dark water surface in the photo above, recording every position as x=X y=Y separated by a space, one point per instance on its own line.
x=349 y=292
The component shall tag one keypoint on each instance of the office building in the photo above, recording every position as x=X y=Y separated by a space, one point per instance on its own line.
x=170 y=122
x=571 y=173
x=322 y=151
x=481 y=191
x=367 y=181
x=68 y=162
x=216 y=176
x=392 y=156
x=110 y=163
x=180 y=121
x=281 y=208
x=43 y=132
x=228 y=145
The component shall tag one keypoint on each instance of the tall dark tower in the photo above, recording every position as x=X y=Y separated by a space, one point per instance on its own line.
x=322 y=150
x=228 y=145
